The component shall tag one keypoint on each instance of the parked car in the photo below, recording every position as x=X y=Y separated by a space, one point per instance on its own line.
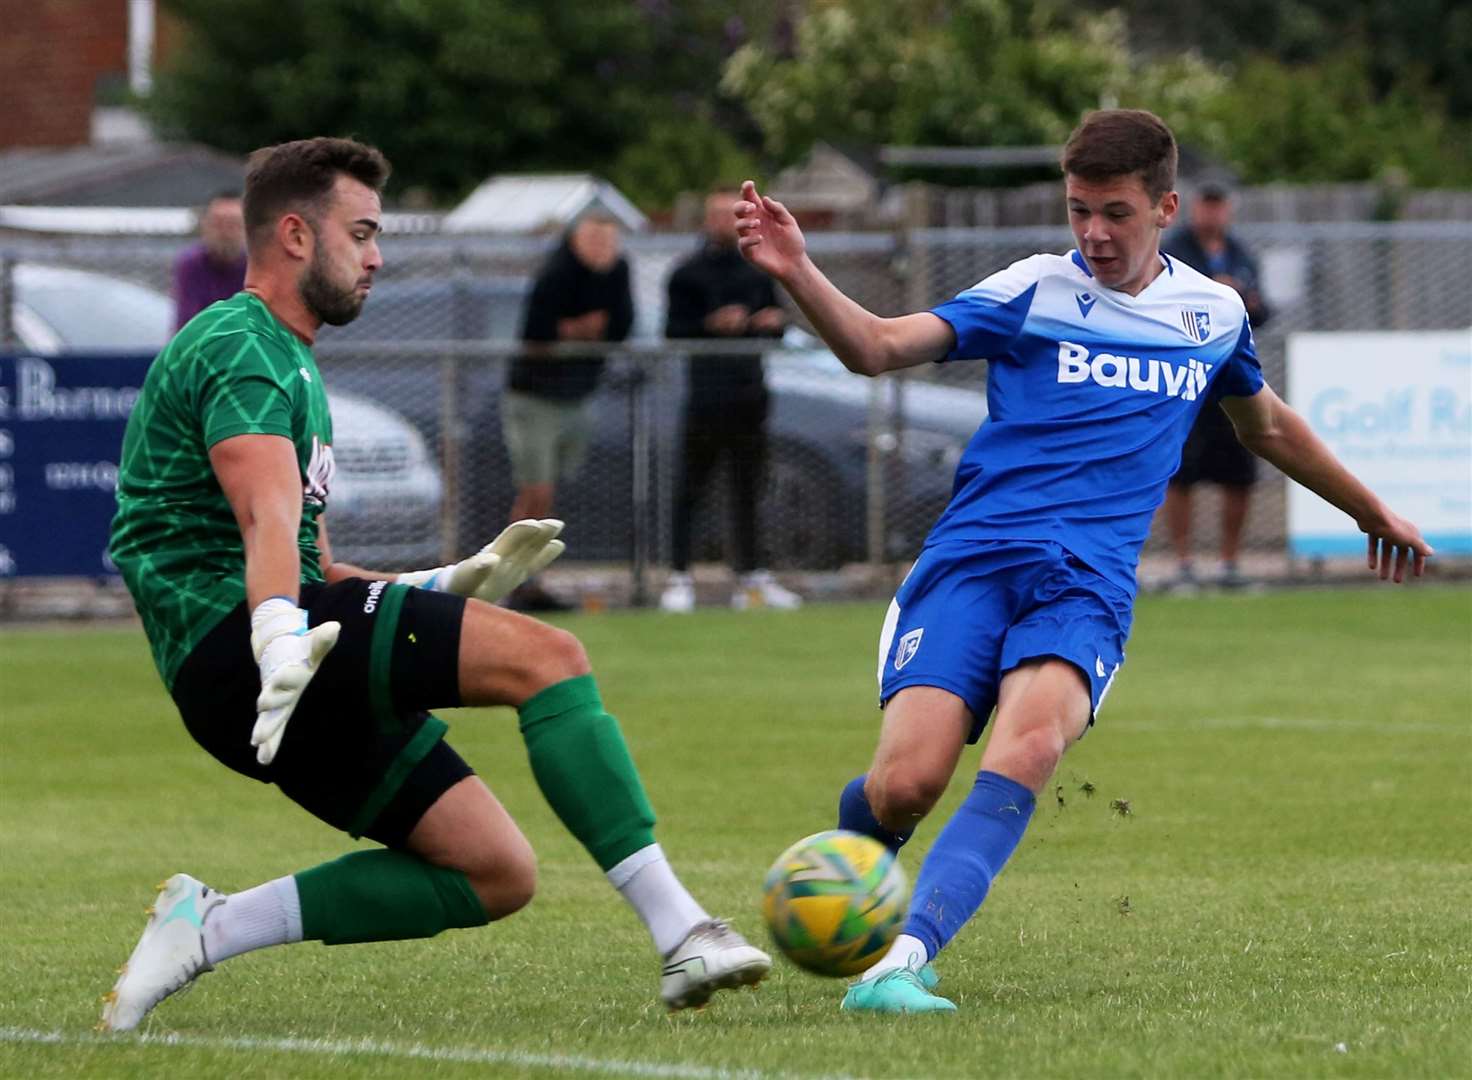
x=385 y=503
x=818 y=487
x=56 y=309
x=815 y=501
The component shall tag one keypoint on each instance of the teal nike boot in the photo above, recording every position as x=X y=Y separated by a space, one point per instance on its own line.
x=899 y=990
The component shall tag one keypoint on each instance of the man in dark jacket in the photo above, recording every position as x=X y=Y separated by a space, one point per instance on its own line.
x=1212 y=453
x=581 y=294
x=715 y=293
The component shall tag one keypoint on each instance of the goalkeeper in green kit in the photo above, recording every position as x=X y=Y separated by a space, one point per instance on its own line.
x=316 y=676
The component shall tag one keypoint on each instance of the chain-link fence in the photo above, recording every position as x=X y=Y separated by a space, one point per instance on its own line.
x=858 y=469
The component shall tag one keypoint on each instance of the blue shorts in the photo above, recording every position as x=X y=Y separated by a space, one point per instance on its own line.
x=969 y=611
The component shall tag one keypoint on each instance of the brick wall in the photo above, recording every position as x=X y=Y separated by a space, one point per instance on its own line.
x=52 y=55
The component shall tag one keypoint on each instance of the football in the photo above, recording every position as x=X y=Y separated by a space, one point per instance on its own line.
x=834 y=901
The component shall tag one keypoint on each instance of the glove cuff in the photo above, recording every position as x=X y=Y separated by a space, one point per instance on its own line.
x=272 y=618
x=422 y=579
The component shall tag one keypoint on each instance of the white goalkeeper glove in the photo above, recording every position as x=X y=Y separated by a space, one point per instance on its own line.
x=523 y=549
x=288 y=654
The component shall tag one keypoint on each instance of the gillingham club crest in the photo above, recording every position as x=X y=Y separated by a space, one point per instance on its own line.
x=909 y=645
x=1197 y=324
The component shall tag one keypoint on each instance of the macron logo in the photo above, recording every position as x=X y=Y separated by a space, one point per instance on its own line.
x=1085 y=303
x=1150 y=376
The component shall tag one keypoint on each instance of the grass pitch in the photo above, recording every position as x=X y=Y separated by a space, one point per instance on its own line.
x=1271 y=877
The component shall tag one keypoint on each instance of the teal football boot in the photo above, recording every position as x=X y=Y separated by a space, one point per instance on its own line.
x=899 y=990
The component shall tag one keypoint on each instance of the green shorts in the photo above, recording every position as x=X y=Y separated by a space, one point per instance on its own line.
x=546 y=438
x=361 y=751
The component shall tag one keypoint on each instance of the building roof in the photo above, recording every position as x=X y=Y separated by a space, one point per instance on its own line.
x=150 y=174
x=827 y=179
x=533 y=203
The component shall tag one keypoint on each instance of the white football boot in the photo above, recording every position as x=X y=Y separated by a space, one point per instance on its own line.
x=168 y=957
x=712 y=957
x=678 y=595
x=760 y=589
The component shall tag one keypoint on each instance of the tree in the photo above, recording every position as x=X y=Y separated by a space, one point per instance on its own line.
x=1424 y=42
x=967 y=72
x=1325 y=122
x=454 y=90
x=1007 y=72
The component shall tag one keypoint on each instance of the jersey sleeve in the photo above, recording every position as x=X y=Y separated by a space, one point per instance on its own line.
x=1242 y=376
x=988 y=317
x=244 y=388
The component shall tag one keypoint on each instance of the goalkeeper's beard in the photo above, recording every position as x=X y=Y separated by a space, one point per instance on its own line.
x=332 y=305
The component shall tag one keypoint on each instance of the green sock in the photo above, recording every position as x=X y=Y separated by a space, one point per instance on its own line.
x=583 y=767
x=384 y=896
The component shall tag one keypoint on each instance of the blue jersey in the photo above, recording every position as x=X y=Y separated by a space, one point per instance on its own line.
x=1091 y=393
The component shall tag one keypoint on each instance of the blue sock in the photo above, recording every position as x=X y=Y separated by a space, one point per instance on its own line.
x=855 y=815
x=969 y=852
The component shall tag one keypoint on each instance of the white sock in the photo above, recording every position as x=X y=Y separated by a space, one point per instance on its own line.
x=906 y=951
x=646 y=880
x=269 y=914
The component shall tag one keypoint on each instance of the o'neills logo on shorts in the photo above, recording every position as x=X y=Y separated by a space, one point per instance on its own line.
x=375 y=590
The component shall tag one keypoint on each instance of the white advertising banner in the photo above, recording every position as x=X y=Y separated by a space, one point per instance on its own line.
x=1396 y=408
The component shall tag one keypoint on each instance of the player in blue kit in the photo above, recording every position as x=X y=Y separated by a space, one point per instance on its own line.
x=1021 y=599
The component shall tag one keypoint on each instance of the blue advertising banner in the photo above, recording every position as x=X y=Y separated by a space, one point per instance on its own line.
x=61 y=430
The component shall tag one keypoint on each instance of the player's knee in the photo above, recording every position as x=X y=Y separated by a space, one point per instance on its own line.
x=1035 y=753
x=901 y=795
x=550 y=656
x=1047 y=746
x=505 y=881
x=559 y=655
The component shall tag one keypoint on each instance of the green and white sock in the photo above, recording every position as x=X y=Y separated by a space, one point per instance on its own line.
x=582 y=764
x=647 y=881
x=269 y=914
x=384 y=896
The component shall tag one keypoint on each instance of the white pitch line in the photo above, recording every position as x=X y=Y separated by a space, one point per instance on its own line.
x=471 y=1055
x=1296 y=723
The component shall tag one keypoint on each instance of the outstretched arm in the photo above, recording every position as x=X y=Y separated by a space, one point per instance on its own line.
x=1274 y=432
x=770 y=239
x=522 y=549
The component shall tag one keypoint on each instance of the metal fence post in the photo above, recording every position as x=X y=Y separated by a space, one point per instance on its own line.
x=640 y=447
x=452 y=428
x=7 y=295
x=874 y=523
x=7 y=339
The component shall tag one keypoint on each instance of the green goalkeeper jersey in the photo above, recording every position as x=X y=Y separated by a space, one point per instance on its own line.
x=234 y=369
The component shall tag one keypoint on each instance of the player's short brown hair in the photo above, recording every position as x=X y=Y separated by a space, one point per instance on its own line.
x=297 y=177
x=1111 y=143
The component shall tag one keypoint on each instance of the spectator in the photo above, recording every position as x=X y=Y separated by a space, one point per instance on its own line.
x=1212 y=453
x=214 y=268
x=581 y=294
x=715 y=293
